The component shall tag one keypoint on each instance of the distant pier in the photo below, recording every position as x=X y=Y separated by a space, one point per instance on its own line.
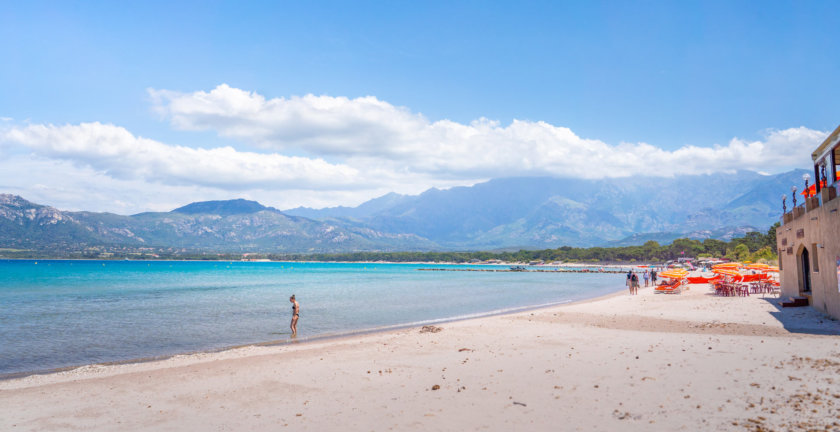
x=523 y=271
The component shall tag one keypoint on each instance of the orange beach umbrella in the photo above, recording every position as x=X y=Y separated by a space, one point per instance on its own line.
x=673 y=274
x=726 y=272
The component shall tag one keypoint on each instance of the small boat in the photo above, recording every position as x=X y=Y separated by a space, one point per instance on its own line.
x=517 y=268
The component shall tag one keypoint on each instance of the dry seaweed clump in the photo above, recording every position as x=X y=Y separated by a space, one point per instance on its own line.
x=821 y=365
x=430 y=329
x=757 y=424
x=804 y=410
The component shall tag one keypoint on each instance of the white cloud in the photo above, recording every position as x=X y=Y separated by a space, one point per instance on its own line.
x=366 y=132
x=355 y=149
x=321 y=124
x=69 y=186
x=107 y=168
x=120 y=154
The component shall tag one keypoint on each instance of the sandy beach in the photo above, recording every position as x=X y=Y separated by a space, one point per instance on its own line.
x=648 y=362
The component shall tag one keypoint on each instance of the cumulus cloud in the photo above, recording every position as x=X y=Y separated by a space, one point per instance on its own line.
x=118 y=153
x=70 y=186
x=366 y=132
x=320 y=151
x=321 y=124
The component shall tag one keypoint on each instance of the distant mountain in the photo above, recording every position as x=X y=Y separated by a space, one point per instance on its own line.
x=365 y=210
x=223 y=208
x=549 y=212
x=26 y=225
x=219 y=226
x=725 y=234
x=537 y=212
x=763 y=201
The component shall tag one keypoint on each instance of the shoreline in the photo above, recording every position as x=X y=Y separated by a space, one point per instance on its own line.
x=313 y=339
x=692 y=361
x=498 y=264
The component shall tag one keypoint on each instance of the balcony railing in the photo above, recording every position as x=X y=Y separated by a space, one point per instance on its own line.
x=811 y=203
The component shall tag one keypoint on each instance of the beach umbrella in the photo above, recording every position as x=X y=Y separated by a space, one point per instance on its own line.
x=673 y=274
x=758 y=266
x=726 y=272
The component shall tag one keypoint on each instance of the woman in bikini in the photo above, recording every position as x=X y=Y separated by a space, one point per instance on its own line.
x=295 y=315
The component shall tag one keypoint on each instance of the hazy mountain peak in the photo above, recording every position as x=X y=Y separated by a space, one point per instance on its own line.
x=222 y=208
x=9 y=199
x=364 y=210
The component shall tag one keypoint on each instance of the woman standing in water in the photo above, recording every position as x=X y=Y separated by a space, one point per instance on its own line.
x=295 y=315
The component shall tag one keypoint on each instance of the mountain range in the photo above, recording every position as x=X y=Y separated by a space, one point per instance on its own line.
x=537 y=212
x=214 y=226
x=544 y=212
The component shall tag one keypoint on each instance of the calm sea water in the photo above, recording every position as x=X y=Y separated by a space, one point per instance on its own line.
x=56 y=314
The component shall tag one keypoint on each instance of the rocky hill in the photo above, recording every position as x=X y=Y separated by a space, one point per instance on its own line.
x=498 y=214
x=223 y=226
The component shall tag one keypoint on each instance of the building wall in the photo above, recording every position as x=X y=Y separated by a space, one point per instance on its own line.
x=818 y=231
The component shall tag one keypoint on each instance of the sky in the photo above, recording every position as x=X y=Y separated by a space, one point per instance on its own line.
x=147 y=106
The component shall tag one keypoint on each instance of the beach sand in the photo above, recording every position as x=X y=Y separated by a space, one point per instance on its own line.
x=648 y=362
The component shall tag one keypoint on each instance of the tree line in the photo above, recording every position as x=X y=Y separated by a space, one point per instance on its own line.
x=754 y=246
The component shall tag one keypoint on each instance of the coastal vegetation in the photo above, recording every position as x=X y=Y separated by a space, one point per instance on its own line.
x=754 y=246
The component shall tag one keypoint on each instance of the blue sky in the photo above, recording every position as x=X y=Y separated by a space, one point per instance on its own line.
x=670 y=82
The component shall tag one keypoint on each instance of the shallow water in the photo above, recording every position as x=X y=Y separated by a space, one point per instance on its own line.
x=56 y=314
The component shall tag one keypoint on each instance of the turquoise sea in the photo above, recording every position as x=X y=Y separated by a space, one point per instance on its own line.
x=56 y=314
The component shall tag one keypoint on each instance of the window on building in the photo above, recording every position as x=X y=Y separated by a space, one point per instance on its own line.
x=781 y=251
x=834 y=165
x=815 y=260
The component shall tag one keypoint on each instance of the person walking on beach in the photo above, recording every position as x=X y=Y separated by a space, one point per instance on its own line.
x=653 y=276
x=646 y=275
x=630 y=281
x=634 y=289
x=295 y=315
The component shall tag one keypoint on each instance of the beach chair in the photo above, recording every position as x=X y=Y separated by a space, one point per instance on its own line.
x=728 y=289
x=672 y=288
x=775 y=288
x=723 y=288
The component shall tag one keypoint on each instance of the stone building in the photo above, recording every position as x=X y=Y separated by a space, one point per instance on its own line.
x=809 y=237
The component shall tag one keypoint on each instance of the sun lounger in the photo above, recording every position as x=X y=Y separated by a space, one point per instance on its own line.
x=673 y=288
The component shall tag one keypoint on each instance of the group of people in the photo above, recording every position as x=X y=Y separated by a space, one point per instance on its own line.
x=633 y=280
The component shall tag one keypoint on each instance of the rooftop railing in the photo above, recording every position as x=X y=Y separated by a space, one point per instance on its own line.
x=813 y=202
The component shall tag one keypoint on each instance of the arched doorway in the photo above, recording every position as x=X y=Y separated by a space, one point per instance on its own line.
x=805 y=265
